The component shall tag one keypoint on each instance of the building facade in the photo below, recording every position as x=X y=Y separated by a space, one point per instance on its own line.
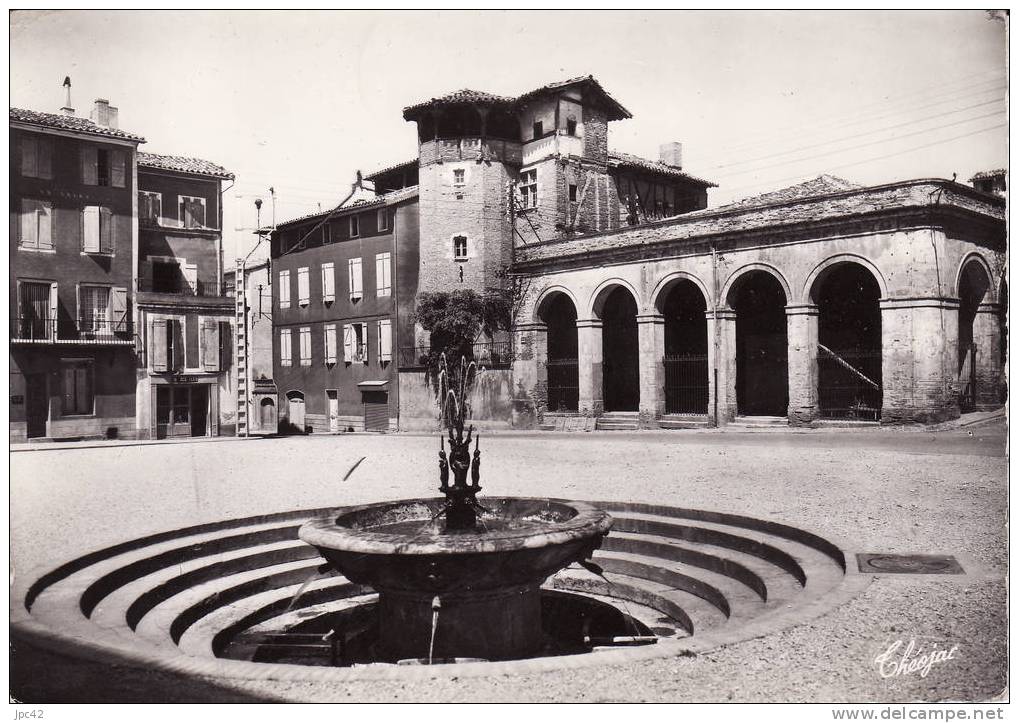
x=73 y=238
x=339 y=306
x=185 y=384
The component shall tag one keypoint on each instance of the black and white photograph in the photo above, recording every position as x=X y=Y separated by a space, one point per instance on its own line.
x=546 y=356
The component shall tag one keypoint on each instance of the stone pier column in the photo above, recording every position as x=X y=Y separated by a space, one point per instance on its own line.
x=721 y=360
x=919 y=348
x=987 y=338
x=589 y=367
x=801 y=320
x=651 y=368
x=530 y=373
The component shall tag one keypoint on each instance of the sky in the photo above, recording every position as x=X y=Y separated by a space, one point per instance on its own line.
x=299 y=101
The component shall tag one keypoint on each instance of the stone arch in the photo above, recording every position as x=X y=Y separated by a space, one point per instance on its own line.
x=597 y=302
x=978 y=258
x=736 y=276
x=821 y=270
x=663 y=286
x=546 y=294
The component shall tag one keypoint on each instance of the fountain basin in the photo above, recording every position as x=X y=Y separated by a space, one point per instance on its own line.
x=487 y=580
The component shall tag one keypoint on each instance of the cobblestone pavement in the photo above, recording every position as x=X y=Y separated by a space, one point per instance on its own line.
x=869 y=491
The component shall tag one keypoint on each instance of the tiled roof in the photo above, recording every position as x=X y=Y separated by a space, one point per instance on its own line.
x=794 y=208
x=399 y=166
x=616 y=109
x=618 y=159
x=183 y=164
x=385 y=199
x=466 y=95
x=823 y=185
x=989 y=174
x=69 y=123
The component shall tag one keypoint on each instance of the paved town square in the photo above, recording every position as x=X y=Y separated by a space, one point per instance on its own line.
x=887 y=491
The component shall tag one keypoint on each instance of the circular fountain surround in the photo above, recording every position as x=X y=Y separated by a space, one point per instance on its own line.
x=486 y=580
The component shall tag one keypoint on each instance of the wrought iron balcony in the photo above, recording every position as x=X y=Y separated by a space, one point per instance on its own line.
x=41 y=330
x=182 y=287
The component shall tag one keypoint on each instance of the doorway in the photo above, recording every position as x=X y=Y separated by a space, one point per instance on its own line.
x=621 y=380
x=333 y=410
x=376 y=410
x=182 y=411
x=36 y=405
x=762 y=374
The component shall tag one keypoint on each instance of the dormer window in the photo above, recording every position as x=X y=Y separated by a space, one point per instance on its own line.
x=538 y=130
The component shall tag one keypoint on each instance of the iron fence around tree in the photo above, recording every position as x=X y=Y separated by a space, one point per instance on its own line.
x=686 y=383
x=491 y=354
x=563 y=385
x=849 y=383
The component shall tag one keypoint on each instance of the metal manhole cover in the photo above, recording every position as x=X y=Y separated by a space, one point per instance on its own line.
x=909 y=564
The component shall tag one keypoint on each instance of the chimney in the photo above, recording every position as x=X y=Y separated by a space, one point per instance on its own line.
x=104 y=114
x=67 y=109
x=671 y=154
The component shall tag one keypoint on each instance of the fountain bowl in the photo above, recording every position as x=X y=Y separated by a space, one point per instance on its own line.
x=483 y=583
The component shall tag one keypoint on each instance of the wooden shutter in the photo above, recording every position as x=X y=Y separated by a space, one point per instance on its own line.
x=225 y=342
x=90 y=165
x=210 y=345
x=284 y=289
x=364 y=342
x=285 y=351
x=385 y=340
x=146 y=275
x=29 y=222
x=191 y=276
x=348 y=343
x=44 y=215
x=328 y=282
x=304 y=340
x=44 y=160
x=90 y=229
x=330 y=343
x=157 y=346
x=117 y=173
x=356 y=286
x=303 y=286
x=107 y=235
x=118 y=309
x=29 y=157
x=177 y=329
x=54 y=304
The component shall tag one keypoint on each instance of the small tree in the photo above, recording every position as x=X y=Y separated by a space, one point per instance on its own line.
x=455 y=320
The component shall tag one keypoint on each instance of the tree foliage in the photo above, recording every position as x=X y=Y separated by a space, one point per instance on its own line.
x=455 y=320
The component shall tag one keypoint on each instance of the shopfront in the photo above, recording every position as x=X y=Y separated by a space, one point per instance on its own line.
x=184 y=406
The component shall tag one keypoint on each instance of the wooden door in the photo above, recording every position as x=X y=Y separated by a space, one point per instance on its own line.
x=36 y=405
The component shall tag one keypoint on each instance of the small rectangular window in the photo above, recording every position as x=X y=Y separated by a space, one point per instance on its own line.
x=284 y=289
x=458 y=177
x=103 y=167
x=354 y=339
x=355 y=230
x=529 y=189
x=355 y=279
x=383 y=275
x=460 y=248
x=191 y=212
x=538 y=130
x=573 y=192
x=303 y=287
x=285 y=355
x=305 y=336
x=150 y=207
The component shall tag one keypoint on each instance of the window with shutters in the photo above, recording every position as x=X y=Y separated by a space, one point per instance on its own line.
x=94 y=310
x=385 y=341
x=383 y=219
x=150 y=208
x=285 y=350
x=305 y=337
x=284 y=289
x=98 y=230
x=355 y=227
x=303 y=288
x=36 y=225
x=191 y=212
x=330 y=343
x=355 y=343
x=103 y=167
x=37 y=157
x=383 y=274
x=77 y=387
x=354 y=274
x=328 y=283
x=460 y=248
x=37 y=318
x=210 y=346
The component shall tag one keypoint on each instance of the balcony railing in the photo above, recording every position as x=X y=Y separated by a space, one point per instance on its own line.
x=39 y=330
x=491 y=354
x=201 y=287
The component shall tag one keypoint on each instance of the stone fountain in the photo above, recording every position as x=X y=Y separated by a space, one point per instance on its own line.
x=458 y=578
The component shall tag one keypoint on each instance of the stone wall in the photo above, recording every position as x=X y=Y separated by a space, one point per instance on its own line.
x=490 y=401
